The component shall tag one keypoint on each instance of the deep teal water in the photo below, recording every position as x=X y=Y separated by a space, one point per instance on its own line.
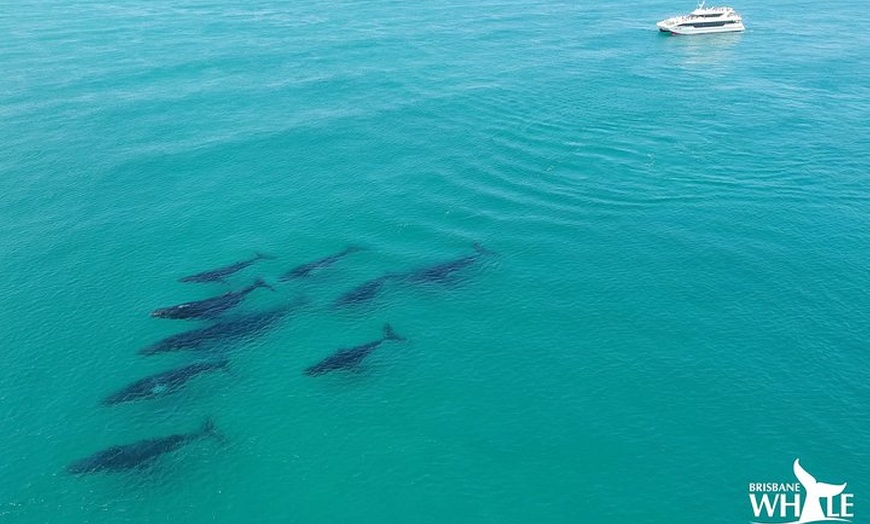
x=678 y=305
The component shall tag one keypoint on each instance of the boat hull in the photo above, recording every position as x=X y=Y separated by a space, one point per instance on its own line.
x=730 y=28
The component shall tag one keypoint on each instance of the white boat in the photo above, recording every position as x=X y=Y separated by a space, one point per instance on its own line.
x=703 y=20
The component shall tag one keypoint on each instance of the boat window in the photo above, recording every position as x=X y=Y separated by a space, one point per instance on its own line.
x=709 y=24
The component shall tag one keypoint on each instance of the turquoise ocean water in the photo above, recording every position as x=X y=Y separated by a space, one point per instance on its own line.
x=677 y=306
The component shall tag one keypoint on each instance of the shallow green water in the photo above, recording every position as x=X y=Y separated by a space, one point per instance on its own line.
x=677 y=306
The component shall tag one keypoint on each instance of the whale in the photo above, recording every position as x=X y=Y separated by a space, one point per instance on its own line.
x=305 y=270
x=444 y=272
x=363 y=292
x=815 y=490
x=221 y=332
x=209 y=307
x=219 y=274
x=351 y=358
x=127 y=457
x=163 y=383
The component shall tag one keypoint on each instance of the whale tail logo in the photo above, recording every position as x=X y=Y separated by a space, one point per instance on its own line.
x=815 y=491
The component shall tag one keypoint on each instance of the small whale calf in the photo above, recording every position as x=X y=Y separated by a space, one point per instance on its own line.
x=223 y=331
x=138 y=454
x=364 y=292
x=163 y=383
x=349 y=359
x=209 y=307
x=444 y=272
x=219 y=274
x=306 y=269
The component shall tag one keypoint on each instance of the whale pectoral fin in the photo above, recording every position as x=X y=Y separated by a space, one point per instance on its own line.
x=805 y=478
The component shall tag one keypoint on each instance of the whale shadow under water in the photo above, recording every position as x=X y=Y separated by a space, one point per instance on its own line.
x=141 y=455
x=226 y=333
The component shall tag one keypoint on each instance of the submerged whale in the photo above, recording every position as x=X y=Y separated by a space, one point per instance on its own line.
x=138 y=454
x=350 y=358
x=209 y=307
x=363 y=292
x=444 y=271
x=218 y=275
x=163 y=383
x=306 y=269
x=224 y=331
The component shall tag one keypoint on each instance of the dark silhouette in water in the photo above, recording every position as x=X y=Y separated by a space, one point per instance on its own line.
x=163 y=383
x=444 y=272
x=363 y=292
x=350 y=358
x=218 y=275
x=209 y=307
x=138 y=454
x=224 y=331
x=305 y=269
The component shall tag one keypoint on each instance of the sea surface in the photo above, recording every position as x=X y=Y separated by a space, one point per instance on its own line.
x=672 y=298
